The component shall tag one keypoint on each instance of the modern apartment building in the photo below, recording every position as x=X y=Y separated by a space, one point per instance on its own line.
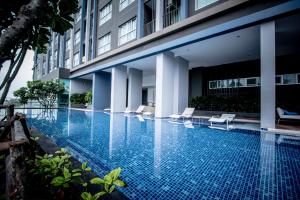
x=166 y=52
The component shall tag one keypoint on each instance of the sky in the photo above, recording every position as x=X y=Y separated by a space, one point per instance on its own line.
x=24 y=75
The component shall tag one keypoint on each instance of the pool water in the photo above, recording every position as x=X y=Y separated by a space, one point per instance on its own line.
x=163 y=160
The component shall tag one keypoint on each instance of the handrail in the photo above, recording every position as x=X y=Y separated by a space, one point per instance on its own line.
x=171 y=17
x=150 y=27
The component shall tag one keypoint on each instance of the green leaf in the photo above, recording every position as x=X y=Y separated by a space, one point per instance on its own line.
x=119 y=183
x=66 y=173
x=84 y=184
x=76 y=174
x=106 y=187
x=108 y=179
x=88 y=169
x=97 y=181
x=58 y=181
x=86 y=196
x=76 y=170
x=99 y=194
x=83 y=165
x=115 y=173
x=111 y=189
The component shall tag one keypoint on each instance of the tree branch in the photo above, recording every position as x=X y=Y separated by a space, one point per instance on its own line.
x=14 y=74
x=27 y=15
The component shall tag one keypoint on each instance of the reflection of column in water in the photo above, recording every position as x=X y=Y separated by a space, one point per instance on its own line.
x=117 y=132
x=157 y=146
x=267 y=165
x=93 y=127
x=69 y=122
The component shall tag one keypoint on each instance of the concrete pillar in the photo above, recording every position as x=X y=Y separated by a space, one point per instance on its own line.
x=135 y=81
x=183 y=9
x=164 y=84
x=267 y=53
x=118 y=89
x=101 y=90
x=181 y=85
x=140 y=18
x=159 y=15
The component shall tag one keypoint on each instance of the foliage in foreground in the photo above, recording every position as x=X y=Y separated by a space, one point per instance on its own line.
x=56 y=171
x=45 y=92
x=27 y=25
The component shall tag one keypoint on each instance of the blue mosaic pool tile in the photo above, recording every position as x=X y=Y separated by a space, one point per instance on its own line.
x=162 y=160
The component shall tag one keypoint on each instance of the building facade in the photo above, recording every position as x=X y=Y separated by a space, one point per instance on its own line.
x=165 y=53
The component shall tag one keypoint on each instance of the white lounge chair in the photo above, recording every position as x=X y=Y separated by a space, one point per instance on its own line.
x=149 y=111
x=187 y=113
x=138 y=111
x=282 y=116
x=224 y=118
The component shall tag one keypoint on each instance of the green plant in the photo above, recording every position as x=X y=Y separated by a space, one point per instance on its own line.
x=50 y=166
x=71 y=176
x=77 y=98
x=22 y=95
x=109 y=183
x=88 y=97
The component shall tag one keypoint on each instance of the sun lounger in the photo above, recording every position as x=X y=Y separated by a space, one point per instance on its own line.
x=187 y=113
x=225 y=118
x=283 y=116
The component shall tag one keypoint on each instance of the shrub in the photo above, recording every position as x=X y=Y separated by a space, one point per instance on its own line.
x=88 y=97
x=78 y=98
x=228 y=104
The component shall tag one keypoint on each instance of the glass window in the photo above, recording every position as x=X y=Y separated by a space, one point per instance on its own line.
x=203 y=3
x=104 y=43
x=76 y=59
x=124 y=4
x=105 y=13
x=252 y=82
x=279 y=79
x=55 y=58
x=127 y=31
x=212 y=84
x=232 y=83
x=68 y=45
x=289 y=79
x=78 y=16
x=51 y=62
x=298 y=76
x=44 y=68
x=77 y=37
x=68 y=63
x=241 y=82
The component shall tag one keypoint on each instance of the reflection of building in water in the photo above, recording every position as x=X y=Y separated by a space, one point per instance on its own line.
x=267 y=166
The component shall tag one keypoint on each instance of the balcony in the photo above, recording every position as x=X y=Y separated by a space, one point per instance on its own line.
x=149 y=27
x=171 y=17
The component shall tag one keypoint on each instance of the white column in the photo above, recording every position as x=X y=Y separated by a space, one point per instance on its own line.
x=101 y=90
x=159 y=15
x=164 y=84
x=118 y=89
x=135 y=81
x=267 y=51
x=181 y=85
x=87 y=33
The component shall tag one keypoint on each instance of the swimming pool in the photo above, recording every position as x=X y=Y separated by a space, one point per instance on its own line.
x=162 y=160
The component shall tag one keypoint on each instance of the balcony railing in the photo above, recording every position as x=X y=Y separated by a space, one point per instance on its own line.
x=171 y=17
x=150 y=27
